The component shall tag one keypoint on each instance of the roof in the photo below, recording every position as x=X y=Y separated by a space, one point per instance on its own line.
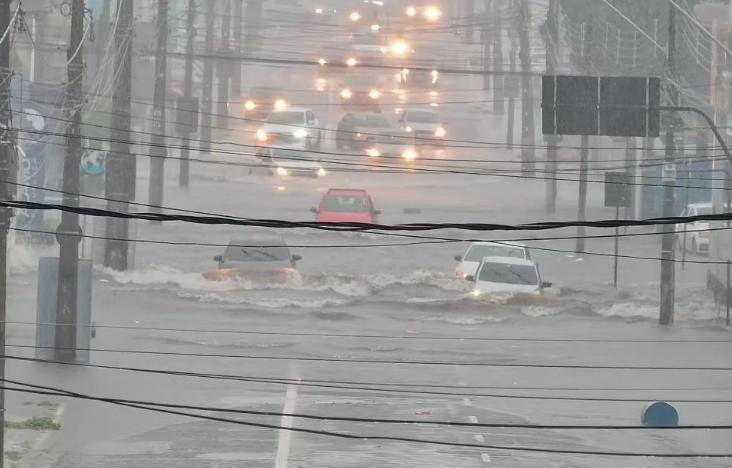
x=502 y=244
x=509 y=260
x=258 y=241
x=346 y=191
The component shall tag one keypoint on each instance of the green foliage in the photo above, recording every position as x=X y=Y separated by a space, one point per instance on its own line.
x=35 y=424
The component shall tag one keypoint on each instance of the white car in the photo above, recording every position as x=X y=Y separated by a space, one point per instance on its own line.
x=424 y=124
x=290 y=163
x=507 y=274
x=477 y=251
x=293 y=127
x=697 y=235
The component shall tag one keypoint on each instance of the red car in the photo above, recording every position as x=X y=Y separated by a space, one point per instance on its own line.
x=346 y=206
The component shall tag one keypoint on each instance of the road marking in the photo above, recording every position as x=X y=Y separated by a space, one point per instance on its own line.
x=479 y=438
x=467 y=402
x=485 y=457
x=283 y=445
x=473 y=419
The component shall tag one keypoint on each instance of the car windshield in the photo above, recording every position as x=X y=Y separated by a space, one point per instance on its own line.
x=287 y=118
x=422 y=117
x=345 y=204
x=263 y=253
x=508 y=273
x=477 y=253
x=265 y=93
x=370 y=121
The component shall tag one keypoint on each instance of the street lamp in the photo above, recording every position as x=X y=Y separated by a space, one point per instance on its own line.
x=432 y=13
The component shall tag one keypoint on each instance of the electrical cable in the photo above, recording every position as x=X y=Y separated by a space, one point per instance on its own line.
x=383 y=361
x=413 y=422
x=369 y=437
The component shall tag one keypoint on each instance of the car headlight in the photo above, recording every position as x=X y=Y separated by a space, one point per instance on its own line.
x=440 y=132
x=322 y=172
x=374 y=94
x=250 y=105
x=280 y=104
x=300 y=133
x=262 y=135
x=346 y=93
x=475 y=293
x=373 y=152
x=408 y=129
x=282 y=171
x=409 y=154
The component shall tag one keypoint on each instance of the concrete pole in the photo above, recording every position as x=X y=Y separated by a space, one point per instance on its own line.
x=69 y=230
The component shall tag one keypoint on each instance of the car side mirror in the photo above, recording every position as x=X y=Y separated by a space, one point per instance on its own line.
x=314 y=210
x=546 y=284
x=219 y=259
x=470 y=278
x=458 y=258
x=296 y=258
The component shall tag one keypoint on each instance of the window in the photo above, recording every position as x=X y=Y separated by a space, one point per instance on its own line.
x=345 y=204
x=507 y=273
x=286 y=118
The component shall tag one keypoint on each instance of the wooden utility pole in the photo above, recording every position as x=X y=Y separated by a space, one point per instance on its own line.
x=528 y=152
x=224 y=68
x=158 y=149
x=668 y=266
x=121 y=167
x=499 y=83
x=6 y=163
x=551 y=38
x=238 y=49
x=208 y=73
x=185 y=152
x=69 y=230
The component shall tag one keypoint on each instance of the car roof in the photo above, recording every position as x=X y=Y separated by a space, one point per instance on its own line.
x=700 y=205
x=336 y=191
x=501 y=244
x=509 y=260
x=293 y=109
x=258 y=241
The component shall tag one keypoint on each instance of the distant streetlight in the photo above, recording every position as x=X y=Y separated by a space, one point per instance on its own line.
x=322 y=61
x=432 y=13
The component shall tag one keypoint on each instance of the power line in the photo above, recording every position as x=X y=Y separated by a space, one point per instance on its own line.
x=369 y=437
x=382 y=361
x=407 y=389
x=414 y=422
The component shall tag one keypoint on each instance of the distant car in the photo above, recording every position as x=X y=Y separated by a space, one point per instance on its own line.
x=507 y=274
x=294 y=127
x=256 y=258
x=372 y=134
x=291 y=163
x=697 y=240
x=346 y=206
x=477 y=251
x=258 y=103
x=425 y=125
x=361 y=92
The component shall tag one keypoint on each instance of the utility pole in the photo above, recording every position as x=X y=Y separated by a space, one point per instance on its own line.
x=668 y=267
x=69 y=230
x=586 y=48
x=208 y=72
x=499 y=83
x=185 y=152
x=224 y=68
x=121 y=167
x=551 y=38
x=239 y=49
x=485 y=39
x=528 y=153
x=6 y=162
x=158 y=149
x=512 y=93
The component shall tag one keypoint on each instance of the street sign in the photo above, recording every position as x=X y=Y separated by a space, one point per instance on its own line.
x=610 y=106
x=93 y=162
x=618 y=190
